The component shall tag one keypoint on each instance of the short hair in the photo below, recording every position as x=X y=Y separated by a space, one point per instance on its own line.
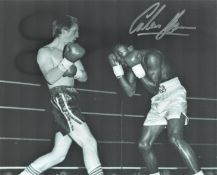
x=64 y=22
x=155 y=52
x=116 y=46
x=126 y=46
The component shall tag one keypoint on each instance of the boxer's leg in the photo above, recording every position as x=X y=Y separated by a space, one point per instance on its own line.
x=81 y=134
x=149 y=134
x=57 y=155
x=175 y=133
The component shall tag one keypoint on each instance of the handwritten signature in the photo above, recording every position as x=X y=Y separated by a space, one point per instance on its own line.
x=150 y=14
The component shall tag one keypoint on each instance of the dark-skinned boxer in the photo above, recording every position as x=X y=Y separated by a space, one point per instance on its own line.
x=168 y=102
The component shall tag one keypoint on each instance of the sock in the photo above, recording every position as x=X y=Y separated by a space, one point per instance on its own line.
x=199 y=173
x=158 y=173
x=24 y=173
x=96 y=171
x=30 y=171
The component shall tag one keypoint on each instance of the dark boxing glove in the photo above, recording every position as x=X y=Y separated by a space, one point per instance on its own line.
x=116 y=66
x=133 y=60
x=71 y=72
x=73 y=52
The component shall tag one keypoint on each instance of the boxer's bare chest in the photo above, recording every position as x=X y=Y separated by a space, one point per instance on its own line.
x=56 y=55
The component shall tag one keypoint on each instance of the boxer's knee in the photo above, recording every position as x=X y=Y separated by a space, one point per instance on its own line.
x=58 y=155
x=144 y=146
x=175 y=140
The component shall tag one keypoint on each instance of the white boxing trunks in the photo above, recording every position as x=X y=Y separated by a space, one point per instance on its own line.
x=169 y=103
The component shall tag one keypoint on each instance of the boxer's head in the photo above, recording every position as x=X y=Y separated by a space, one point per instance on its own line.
x=66 y=27
x=121 y=51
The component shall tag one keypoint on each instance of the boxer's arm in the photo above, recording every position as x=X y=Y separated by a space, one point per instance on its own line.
x=128 y=83
x=81 y=74
x=152 y=78
x=51 y=74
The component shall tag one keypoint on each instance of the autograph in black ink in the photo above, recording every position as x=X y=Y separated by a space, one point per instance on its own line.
x=150 y=14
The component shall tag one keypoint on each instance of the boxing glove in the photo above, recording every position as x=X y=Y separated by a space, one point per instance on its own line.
x=73 y=52
x=133 y=60
x=116 y=66
x=71 y=72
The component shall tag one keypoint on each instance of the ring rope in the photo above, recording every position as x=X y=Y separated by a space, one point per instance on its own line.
x=99 y=91
x=101 y=114
x=98 y=141
x=106 y=168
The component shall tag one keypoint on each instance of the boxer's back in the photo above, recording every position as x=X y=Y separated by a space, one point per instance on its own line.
x=166 y=70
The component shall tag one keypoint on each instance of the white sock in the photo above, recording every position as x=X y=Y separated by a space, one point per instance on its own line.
x=199 y=173
x=30 y=171
x=24 y=173
x=96 y=171
x=158 y=173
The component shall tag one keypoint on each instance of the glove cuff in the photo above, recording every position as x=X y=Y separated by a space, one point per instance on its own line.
x=64 y=65
x=118 y=70
x=138 y=71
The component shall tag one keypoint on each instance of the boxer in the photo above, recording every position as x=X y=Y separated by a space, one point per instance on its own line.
x=60 y=64
x=168 y=102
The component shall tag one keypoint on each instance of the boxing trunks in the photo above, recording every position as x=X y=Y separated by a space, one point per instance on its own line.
x=65 y=108
x=170 y=102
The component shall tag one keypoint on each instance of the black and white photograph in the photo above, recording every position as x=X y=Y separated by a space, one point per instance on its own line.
x=108 y=87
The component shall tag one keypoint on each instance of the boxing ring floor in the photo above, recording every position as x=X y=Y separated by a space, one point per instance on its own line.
x=114 y=120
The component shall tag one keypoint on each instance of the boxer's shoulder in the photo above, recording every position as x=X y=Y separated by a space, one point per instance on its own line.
x=44 y=51
x=49 y=53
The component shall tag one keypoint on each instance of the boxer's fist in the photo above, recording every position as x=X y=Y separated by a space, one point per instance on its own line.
x=133 y=60
x=113 y=60
x=71 y=72
x=116 y=66
x=73 y=52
